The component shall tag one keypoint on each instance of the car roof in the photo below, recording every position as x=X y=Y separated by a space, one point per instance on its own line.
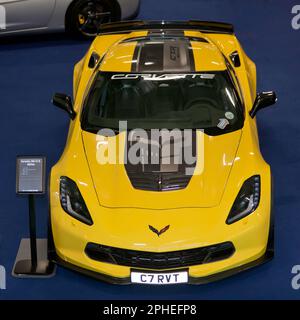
x=172 y=51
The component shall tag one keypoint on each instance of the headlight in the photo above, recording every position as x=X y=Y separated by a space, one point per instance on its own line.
x=246 y=201
x=72 y=201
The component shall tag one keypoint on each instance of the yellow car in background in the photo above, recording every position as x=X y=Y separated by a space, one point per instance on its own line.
x=162 y=180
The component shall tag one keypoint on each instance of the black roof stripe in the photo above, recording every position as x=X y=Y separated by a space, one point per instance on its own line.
x=165 y=55
x=135 y=58
x=191 y=57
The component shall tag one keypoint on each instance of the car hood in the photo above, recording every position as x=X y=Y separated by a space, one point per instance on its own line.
x=115 y=189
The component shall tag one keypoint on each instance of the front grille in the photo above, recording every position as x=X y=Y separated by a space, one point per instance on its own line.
x=159 y=181
x=164 y=260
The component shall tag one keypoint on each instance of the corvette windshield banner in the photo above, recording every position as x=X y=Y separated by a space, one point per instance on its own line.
x=158 y=77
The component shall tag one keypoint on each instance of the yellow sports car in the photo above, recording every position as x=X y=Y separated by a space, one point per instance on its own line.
x=162 y=180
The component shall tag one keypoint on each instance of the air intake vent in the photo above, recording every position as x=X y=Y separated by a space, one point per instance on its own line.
x=159 y=181
x=164 y=260
x=174 y=175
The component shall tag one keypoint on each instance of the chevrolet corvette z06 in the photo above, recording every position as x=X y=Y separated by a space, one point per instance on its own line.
x=162 y=180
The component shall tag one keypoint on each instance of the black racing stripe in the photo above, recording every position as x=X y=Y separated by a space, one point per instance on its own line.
x=177 y=57
x=168 y=55
x=135 y=58
x=151 y=58
x=151 y=173
x=191 y=57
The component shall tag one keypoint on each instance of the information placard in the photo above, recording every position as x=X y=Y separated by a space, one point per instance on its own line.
x=30 y=174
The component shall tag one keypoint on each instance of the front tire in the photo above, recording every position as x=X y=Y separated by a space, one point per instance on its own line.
x=78 y=21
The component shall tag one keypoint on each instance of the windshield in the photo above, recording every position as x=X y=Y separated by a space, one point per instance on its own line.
x=163 y=101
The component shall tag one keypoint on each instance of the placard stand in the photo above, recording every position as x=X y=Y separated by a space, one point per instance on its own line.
x=35 y=264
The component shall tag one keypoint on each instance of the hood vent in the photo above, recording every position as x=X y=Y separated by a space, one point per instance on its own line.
x=156 y=171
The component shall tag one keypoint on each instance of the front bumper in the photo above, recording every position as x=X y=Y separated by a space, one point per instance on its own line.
x=269 y=254
x=252 y=237
x=109 y=278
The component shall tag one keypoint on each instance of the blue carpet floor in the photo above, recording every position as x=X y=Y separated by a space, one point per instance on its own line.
x=33 y=68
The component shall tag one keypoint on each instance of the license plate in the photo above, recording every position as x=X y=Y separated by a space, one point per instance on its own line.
x=159 y=278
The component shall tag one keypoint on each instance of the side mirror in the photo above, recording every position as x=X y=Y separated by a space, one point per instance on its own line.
x=263 y=100
x=64 y=102
x=235 y=58
x=93 y=60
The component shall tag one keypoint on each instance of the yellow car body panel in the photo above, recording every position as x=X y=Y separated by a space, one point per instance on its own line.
x=196 y=215
x=202 y=191
x=207 y=57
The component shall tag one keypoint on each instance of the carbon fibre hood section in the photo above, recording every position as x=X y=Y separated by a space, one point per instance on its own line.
x=163 y=165
x=215 y=157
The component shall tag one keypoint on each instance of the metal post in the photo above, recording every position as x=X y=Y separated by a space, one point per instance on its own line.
x=32 y=227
